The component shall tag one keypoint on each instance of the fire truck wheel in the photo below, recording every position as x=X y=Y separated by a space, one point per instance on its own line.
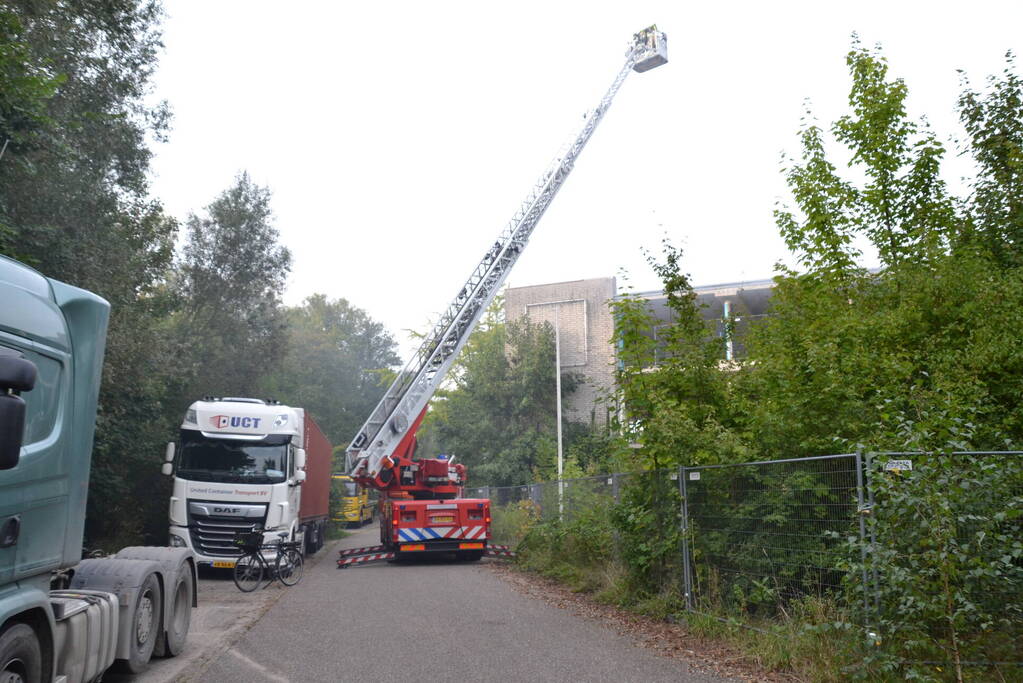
x=20 y=656
x=146 y=620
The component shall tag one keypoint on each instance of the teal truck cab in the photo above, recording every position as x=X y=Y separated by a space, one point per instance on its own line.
x=65 y=619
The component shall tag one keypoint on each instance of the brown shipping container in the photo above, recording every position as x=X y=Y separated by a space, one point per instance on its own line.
x=316 y=488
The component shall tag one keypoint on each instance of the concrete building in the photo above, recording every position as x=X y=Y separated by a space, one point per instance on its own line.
x=745 y=302
x=581 y=312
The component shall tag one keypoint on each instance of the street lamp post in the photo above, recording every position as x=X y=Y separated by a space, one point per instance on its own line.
x=557 y=384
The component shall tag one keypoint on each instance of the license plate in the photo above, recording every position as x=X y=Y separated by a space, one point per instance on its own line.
x=224 y=564
x=443 y=519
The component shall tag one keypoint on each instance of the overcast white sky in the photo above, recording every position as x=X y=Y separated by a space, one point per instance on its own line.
x=399 y=137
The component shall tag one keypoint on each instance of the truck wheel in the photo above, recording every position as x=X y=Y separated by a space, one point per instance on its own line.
x=307 y=541
x=180 y=604
x=21 y=659
x=146 y=623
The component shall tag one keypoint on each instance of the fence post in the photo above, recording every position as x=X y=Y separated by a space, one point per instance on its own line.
x=686 y=577
x=869 y=464
x=615 y=486
x=861 y=511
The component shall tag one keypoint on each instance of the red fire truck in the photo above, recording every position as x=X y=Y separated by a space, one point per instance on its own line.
x=420 y=507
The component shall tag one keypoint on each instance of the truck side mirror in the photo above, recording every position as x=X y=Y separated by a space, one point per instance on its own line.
x=299 y=458
x=17 y=374
x=169 y=454
x=166 y=468
x=299 y=476
x=12 y=429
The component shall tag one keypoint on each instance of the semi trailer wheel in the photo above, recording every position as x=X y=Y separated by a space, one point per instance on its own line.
x=145 y=626
x=21 y=659
x=180 y=604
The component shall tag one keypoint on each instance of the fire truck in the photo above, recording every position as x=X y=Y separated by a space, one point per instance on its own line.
x=421 y=508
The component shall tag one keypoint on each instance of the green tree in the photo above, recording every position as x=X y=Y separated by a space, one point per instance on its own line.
x=25 y=88
x=74 y=81
x=498 y=414
x=994 y=126
x=334 y=364
x=847 y=353
x=674 y=393
x=75 y=199
x=231 y=325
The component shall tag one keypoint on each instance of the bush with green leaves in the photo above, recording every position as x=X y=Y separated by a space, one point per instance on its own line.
x=944 y=562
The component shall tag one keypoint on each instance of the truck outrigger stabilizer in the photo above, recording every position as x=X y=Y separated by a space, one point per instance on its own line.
x=378 y=553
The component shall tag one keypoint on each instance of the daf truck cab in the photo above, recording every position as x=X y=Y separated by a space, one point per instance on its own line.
x=240 y=465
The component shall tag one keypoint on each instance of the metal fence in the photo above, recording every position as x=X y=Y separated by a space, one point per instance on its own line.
x=944 y=553
x=870 y=532
x=757 y=535
x=513 y=507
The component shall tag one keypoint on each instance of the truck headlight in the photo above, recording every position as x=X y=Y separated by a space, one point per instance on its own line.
x=177 y=542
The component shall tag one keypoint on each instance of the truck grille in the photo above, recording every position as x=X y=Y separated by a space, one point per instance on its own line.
x=213 y=535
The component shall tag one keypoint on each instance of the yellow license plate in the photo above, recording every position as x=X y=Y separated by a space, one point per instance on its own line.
x=443 y=519
x=223 y=564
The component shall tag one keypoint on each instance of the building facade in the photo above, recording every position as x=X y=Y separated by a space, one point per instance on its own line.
x=580 y=312
x=744 y=303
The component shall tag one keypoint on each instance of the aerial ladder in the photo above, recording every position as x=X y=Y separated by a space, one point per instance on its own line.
x=420 y=505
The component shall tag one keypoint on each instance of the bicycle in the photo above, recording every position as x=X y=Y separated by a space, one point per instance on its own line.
x=253 y=566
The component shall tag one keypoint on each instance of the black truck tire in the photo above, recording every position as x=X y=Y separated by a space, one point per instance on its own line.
x=145 y=627
x=21 y=659
x=312 y=538
x=179 y=601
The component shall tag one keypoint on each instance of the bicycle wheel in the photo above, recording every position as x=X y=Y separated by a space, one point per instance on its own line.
x=290 y=567
x=248 y=573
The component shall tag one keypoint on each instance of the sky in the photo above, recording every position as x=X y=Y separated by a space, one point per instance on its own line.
x=398 y=138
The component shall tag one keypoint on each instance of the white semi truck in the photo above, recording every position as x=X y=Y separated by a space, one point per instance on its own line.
x=242 y=465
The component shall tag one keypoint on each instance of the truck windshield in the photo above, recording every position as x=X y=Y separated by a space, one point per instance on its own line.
x=345 y=488
x=242 y=462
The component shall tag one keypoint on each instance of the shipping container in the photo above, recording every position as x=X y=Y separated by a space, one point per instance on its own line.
x=315 y=503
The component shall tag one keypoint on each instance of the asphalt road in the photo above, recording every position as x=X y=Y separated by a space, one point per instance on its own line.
x=428 y=621
x=223 y=616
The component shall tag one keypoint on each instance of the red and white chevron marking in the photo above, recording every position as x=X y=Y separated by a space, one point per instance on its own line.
x=376 y=557
x=415 y=534
x=360 y=551
x=494 y=552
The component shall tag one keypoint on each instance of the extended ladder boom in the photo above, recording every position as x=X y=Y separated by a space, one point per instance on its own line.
x=416 y=383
